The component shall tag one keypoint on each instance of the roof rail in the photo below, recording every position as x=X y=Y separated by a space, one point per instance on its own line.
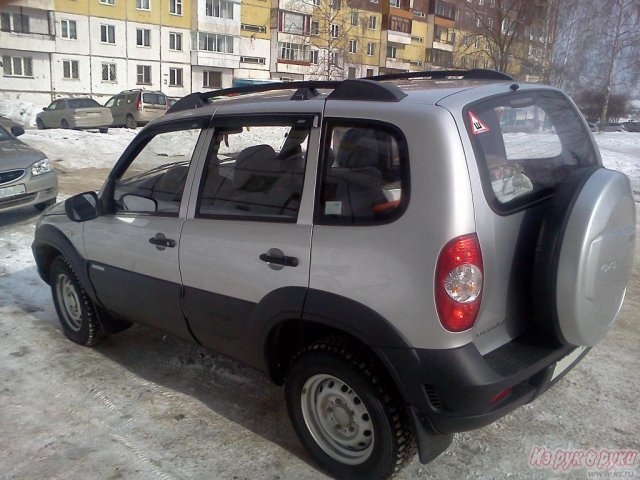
x=360 y=89
x=473 y=74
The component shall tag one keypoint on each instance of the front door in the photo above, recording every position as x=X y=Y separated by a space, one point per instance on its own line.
x=133 y=249
x=245 y=246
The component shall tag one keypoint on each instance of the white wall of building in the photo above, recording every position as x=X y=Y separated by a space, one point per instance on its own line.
x=64 y=87
x=197 y=77
x=176 y=91
x=81 y=45
x=38 y=85
x=176 y=56
x=119 y=49
x=135 y=52
x=100 y=89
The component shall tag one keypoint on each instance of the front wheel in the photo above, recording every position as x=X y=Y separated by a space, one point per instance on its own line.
x=41 y=206
x=130 y=122
x=103 y=130
x=76 y=311
x=346 y=414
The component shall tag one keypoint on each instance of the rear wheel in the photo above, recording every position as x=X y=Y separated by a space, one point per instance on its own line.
x=64 y=124
x=130 y=122
x=345 y=413
x=103 y=130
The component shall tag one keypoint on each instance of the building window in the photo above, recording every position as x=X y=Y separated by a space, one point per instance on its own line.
x=392 y=52
x=373 y=1
x=315 y=28
x=445 y=10
x=213 y=42
x=17 y=66
x=373 y=21
x=68 y=28
x=354 y=18
x=314 y=57
x=492 y=3
x=108 y=34
x=335 y=30
x=108 y=2
x=143 y=74
x=254 y=60
x=219 y=8
x=478 y=43
x=70 y=69
x=353 y=46
x=16 y=22
x=478 y=21
x=490 y=22
x=295 y=23
x=253 y=28
x=335 y=4
x=175 y=7
x=371 y=49
x=394 y=3
x=211 y=79
x=175 y=77
x=175 y=41
x=293 y=51
x=399 y=24
x=143 y=37
x=108 y=72
x=334 y=58
x=480 y=2
x=143 y=4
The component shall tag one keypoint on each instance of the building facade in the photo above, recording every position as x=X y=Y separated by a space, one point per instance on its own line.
x=55 y=48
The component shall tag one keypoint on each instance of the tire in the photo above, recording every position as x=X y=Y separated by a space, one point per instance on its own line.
x=103 y=130
x=130 y=122
x=368 y=435
x=64 y=124
x=584 y=256
x=40 y=124
x=41 y=206
x=76 y=311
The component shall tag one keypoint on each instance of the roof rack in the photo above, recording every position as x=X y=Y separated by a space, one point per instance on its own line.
x=473 y=74
x=360 y=89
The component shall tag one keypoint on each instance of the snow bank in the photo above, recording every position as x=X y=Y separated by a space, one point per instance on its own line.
x=20 y=111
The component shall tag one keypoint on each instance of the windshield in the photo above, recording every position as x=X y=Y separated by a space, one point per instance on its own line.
x=83 y=103
x=155 y=98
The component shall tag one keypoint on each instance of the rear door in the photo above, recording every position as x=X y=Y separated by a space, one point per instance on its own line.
x=133 y=248
x=245 y=246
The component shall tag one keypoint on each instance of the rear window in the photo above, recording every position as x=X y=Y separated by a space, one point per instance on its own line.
x=526 y=144
x=83 y=103
x=155 y=98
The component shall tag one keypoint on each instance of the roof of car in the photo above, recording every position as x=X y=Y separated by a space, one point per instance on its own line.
x=412 y=87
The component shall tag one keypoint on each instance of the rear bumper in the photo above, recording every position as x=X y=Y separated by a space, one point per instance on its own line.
x=97 y=122
x=457 y=389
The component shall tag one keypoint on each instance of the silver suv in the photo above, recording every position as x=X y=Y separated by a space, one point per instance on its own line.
x=410 y=255
x=136 y=107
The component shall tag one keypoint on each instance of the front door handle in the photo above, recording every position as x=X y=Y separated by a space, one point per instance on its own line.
x=277 y=259
x=161 y=241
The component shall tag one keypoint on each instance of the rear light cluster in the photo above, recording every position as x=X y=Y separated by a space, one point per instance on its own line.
x=139 y=104
x=458 y=286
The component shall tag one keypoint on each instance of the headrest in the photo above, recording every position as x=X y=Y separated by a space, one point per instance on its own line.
x=256 y=168
x=358 y=149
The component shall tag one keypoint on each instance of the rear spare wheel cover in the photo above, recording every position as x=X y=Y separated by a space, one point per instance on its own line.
x=593 y=258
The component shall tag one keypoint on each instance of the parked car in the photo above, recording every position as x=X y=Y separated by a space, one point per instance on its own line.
x=137 y=107
x=378 y=246
x=632 y=126
x=26 y=176
x=614 y=127
x=78 y=113
x=7 y=123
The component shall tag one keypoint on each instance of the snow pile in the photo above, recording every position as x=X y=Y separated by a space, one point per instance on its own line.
x=621 y=151
x=19 y=111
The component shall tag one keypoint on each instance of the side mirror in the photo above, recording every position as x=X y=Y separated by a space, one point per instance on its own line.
x=44 y=109
x=17 y=130
x=82 y=207
x=136 y=203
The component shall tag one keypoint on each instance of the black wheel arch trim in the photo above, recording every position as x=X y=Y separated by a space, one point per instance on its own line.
x=52 y=237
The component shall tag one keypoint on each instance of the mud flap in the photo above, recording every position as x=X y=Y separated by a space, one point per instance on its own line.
x=430 y=443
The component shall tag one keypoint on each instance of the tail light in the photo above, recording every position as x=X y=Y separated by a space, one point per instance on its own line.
x=139 y=104
x=458 y=286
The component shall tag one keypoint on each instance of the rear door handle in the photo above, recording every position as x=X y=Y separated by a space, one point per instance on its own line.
x=275 y=257
x=161 y=241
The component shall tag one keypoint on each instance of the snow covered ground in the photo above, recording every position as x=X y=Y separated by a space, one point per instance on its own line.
x=144 y=405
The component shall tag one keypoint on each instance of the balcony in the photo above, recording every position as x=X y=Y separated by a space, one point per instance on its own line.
x=27 y=29
x=204 y=58
x=398 y=37
x=443 y=10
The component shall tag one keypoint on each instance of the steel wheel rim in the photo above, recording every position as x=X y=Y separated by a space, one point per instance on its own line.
x=69 y=302
x=337 y=419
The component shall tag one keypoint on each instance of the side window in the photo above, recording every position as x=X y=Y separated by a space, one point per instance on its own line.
x=526 y=144
x=364 y=177
x=111 y=102
x=130 y=98
x=255 y=169
x=155 y=179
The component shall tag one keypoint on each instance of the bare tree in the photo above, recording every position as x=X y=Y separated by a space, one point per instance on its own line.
x=497 y=31
x=621 y=34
